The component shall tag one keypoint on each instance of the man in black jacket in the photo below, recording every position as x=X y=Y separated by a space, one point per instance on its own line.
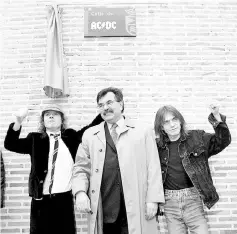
x=52 y=151
x=185 y=170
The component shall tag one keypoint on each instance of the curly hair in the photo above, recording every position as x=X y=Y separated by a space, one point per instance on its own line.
x=42 y=128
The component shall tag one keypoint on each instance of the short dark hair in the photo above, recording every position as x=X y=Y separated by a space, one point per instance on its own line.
x=159 y=122
x=42 y=128
x=117 y=92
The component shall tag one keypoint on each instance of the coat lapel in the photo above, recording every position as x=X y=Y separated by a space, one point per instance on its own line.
x=100 y=133
x=128 y=124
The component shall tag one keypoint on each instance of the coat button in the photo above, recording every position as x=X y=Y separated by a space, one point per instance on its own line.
x=96 y=170
x=100 y=150
x=162 y=171
x=93 y=191
x=45 y=171
x=41 y=181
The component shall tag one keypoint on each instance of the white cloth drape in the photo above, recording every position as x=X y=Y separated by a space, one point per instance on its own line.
x=56 y=78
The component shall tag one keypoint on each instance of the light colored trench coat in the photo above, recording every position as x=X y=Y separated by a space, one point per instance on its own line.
x=140 y=172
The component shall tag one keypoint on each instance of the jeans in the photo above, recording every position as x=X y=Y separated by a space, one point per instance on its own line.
x=184 y=211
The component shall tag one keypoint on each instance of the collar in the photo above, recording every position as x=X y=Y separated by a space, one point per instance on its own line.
x=100 y=127
x=120 y=123
x=51 y=134
x=167 y=140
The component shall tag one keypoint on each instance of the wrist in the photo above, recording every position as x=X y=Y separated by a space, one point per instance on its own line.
x=217 y=117
x=17 y=122
x=16 y=126
x=78 y=193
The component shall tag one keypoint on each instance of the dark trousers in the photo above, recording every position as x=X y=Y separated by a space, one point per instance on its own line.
x=120 y=226
x=54 y=214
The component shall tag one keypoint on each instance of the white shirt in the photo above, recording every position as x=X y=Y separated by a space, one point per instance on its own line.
x=120 y=123
x=63 y=168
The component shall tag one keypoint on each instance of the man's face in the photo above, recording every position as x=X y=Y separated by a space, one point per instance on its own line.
x=172 y=126
x=110 y=109
x=52 y=121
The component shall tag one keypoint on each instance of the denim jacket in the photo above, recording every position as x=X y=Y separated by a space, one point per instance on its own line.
x=195 y=150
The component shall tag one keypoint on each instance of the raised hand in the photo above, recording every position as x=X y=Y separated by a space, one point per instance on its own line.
x=21 y=114
x=214 y=108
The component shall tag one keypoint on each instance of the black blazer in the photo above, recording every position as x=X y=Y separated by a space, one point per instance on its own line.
x=111 y=184
x=37 y=146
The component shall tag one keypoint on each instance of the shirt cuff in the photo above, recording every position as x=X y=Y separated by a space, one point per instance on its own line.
x=214 y=122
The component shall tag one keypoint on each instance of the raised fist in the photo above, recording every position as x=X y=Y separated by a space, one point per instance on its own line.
x=214 y=108
x=21 y=114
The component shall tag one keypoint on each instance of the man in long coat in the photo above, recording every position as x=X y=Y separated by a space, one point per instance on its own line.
x=116 y=176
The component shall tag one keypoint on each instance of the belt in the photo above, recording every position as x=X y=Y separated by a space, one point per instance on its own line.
x=57 y=195
x=187 y=192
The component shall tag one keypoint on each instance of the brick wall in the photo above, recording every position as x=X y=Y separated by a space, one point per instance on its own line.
x=184 y=54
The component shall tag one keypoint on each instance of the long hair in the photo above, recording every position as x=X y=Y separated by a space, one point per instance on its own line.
x=117 y=92
x=42 y=128
x=159 y=122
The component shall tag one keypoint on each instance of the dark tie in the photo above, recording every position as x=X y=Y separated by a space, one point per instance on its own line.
x=113 y=133
x=55 y=153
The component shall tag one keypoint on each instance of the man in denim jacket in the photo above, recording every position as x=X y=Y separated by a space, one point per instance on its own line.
x=185 y=170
